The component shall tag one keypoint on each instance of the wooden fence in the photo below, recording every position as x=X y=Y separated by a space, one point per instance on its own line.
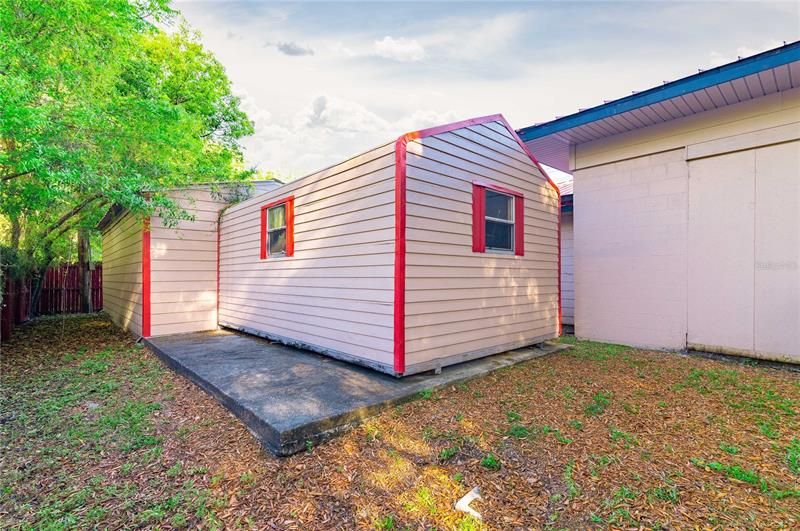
x=60 y=294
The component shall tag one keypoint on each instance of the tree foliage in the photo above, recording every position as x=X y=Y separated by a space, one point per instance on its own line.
x=101 y=101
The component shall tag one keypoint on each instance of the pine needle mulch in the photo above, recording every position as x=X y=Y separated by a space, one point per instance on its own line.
x=97 y=433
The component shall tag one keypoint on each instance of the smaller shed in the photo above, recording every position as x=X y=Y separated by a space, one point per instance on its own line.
x=160 y=279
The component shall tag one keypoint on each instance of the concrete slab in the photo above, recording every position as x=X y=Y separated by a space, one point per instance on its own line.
x=287 y=396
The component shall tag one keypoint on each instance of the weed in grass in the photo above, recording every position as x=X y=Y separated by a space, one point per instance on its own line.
x=426 y=394
x=477 y=394
x=424 y=498
x=668 y=493
x=662 y=404
x=601 y=462
x=768 y=429
x=572 y=488
x=624 y=493
x=448 y=453
x=387 y=522
x=468 y=523
x=518 y=431
x=600 y=401
x=513 y=416
x=458 y=477
x=735 y=472
x=595 y=519
x=491 y=462
x=568 y=392
x=619 y=435
x=248 y=479
x=459 y=417
x=560 y=437
x=728 y=448
x=575 y=424
x=174 y=470
x=793 y=456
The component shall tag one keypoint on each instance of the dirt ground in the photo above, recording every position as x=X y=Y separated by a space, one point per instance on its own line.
x=97 y=433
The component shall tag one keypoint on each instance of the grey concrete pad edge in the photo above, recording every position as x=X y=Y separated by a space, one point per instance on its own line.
x=293 y=440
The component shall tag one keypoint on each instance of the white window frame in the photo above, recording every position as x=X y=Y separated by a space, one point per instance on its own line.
x=273 y=229
x=513 y=209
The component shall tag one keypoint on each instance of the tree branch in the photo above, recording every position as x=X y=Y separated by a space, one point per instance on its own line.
x=63 y=219
x=15 y=175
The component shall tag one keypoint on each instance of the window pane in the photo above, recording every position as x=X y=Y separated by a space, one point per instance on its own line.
x=277 y=241
x=499 y=235
x=277 y=216
x=498 y=205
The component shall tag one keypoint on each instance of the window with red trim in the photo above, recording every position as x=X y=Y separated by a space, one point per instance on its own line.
x=277 y=228
x=497 y=219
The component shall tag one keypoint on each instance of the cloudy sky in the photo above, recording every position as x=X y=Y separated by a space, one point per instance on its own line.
x=324 y=81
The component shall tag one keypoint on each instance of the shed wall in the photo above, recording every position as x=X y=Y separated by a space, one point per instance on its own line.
x=687 y=232
x=122 y=273
x=183 y=265
x=336 y=293
x=461 y=303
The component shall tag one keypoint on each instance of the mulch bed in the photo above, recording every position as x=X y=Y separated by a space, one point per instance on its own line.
x=96 y=433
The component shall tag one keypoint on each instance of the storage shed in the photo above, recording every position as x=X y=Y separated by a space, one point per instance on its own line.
x=160 y=279
x=434 y=249
x=687 y=210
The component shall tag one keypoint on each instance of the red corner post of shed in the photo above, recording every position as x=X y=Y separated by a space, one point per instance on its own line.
x=146 y=278
x=400 y=223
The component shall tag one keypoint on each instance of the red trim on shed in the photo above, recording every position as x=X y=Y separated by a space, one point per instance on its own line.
x=478 y=218
x=146 y=278
x=289 y=201
x=519 y=225
x=219 y=244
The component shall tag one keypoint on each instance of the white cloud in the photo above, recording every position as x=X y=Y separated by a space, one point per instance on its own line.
x=401 y=49
x=337 y=114
x=718 y=59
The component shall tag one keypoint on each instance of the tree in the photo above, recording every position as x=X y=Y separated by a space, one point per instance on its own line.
x=98 y=105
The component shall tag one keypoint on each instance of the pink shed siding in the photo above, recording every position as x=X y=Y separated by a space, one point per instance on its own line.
x=461 y=304
x=122 y=273
x=335 y=294
x=183 y=265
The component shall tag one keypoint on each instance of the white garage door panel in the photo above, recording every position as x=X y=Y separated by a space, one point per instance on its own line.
x=721 y=251
x=777 y=252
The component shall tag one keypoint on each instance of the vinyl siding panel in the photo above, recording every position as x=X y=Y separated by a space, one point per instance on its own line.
x=336 y=293
x=122 y=273
x=460 y=303
x=183 y=265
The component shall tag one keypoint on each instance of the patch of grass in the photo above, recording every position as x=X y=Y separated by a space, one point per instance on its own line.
x=728 y=448
x=768 y=429
x=735 y=472
x=491 y=462
x=793 y=456
x=600 y=401
x=624 y=493
x=572 y=488
x=560 y=437
x=601 y=462
x=518 y=431
x=174 y=470
x=387 y=522
x=592 y=351
x=668 y=493
x=426 y=394
x=619 y=435
x=424 y=498
x=575 y=424
x=568 y=392
x=513 y=416
x=631 y=408
x=448 y=453
x=458 y=477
